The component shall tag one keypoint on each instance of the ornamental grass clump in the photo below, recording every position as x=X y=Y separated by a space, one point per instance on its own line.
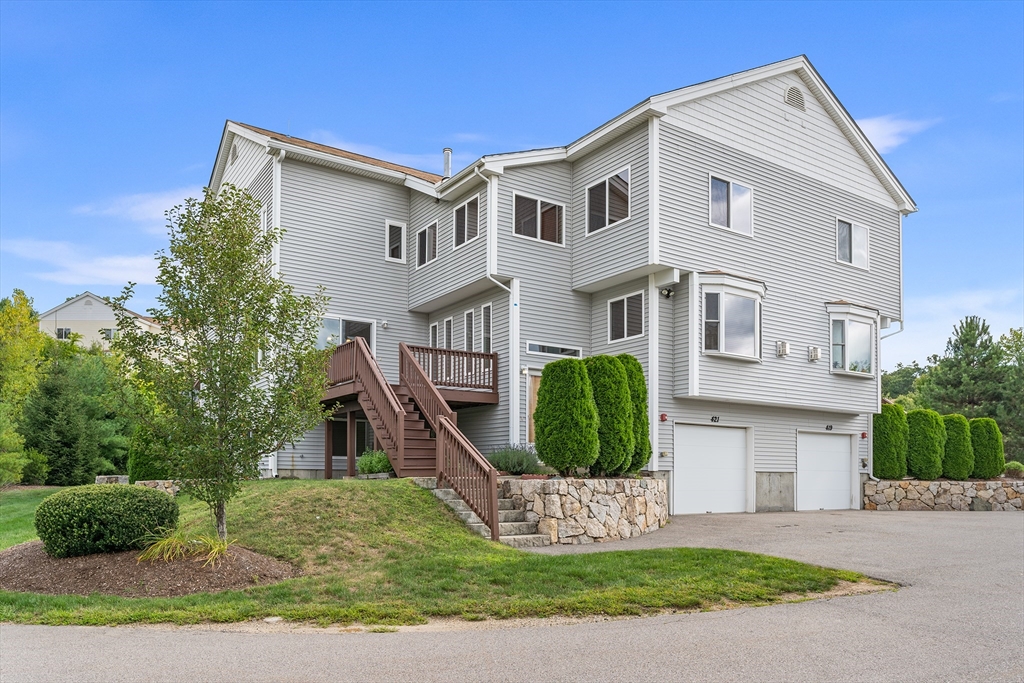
x=515 y=458
x=958 y=454
x=103 y=518
x=614 y=412
x=641 y=422
x=927 y=439
x=987 y=441
x=565 y=420
x=890 y=442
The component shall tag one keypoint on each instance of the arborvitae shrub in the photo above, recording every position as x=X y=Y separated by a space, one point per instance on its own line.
x=641 y=422
x=987 y=441
x=565 y=420
x=102 y=518
x=927 y=437
x=145 y=461
x=614 y=414
x=890 y=432
x=958 y=455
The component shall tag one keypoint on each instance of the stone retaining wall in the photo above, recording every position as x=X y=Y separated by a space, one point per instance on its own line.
x=168 y=486
x=590 y=510
x=943 y=495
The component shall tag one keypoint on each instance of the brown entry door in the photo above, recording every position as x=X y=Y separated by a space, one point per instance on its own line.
x=534 y=387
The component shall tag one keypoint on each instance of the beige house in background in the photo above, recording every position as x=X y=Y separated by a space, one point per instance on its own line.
x=89 y=316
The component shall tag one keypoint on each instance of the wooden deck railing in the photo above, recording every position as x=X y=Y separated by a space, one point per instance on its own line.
x=424 y=392
x=341 y=367
x=470 y=474
x=458 y=369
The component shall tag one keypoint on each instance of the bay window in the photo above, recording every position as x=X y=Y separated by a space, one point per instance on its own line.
x=731 y=316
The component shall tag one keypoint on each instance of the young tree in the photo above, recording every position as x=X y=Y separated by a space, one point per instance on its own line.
x=21 y=347
x=1011 y=421
x=234 y=367
x=900 y=382
x=969 y=379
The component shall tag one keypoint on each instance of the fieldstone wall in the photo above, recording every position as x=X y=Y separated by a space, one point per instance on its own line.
x=590 y=510
x=111 y=478
x=943 y=495
x=168 y=486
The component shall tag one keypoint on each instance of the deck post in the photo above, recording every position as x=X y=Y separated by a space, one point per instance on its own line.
x=350 y=447
x=329 y=448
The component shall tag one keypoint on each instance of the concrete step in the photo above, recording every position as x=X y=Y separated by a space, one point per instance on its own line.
x=526 y=540
x=506 y=528
x=460 y=506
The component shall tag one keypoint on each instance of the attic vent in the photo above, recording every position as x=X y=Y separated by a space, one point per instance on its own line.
x=234 y=148
x=795 y=98
x=87 y=302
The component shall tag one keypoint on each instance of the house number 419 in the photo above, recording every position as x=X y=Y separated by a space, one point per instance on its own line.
x=828 y=428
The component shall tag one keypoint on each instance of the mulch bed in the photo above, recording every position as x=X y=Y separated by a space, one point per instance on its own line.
x=27 y=567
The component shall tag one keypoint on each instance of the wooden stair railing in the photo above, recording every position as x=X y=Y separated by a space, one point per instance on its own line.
x=458 y=461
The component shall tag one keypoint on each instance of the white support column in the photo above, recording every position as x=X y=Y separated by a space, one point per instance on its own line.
x=653 y=190
x=694 y=367
x=653 y=364
x=514 y=376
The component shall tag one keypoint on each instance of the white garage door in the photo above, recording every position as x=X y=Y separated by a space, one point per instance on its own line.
x=710 y=470
x=824 y=472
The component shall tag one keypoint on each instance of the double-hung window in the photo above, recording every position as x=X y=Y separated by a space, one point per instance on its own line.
x=626 y=317
x=732 y=316
x=395 y=236
x=852 y=332
x=426 y=245
x=608 y=201
x=538 y=219
x=467 y=221
x=851 y=243
x=731 y=206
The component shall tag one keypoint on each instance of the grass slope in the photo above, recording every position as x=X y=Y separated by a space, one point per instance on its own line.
x=386 y=552
x=17 y=513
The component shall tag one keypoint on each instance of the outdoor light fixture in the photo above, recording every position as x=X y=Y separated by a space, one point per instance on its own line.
x=525 y=369
x=384 y=324
x=667 y=292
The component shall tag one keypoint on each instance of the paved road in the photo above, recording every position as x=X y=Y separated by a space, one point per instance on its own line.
x=959 y=616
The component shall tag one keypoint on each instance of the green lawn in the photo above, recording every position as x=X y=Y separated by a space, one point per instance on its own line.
x=387 y=552
x=17 y=514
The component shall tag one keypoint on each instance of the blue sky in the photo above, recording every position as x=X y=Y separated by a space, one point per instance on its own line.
x=110 y=113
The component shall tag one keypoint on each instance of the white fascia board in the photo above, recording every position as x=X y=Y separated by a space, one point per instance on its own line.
x=231 y=130
x=852 y=309
x=421 y=185
x=621 y=123
x=81 y=296
x=296 y=152
x=495 y=164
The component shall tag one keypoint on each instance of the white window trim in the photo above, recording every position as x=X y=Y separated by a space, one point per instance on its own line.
x=846 y=313
x=552 y=355
x=731 y=182
x=853 y=224
x=586 y=204
x=490 y=307
x=387 y=241
x=479 y=221
x=433 y=333
x=729 y=284
x=643 y=316
x=418 y=232
x=546 y=201
x=471 y=327
x=444 y=332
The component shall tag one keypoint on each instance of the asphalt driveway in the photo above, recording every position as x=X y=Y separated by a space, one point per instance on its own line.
x=958 y=616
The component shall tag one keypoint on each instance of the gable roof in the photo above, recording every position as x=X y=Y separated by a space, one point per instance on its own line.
x=89 y=295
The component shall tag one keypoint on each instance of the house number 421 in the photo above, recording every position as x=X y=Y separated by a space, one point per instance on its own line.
x=715 y=418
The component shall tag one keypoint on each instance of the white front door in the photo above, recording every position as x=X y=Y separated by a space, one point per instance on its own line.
x=710 y=469
x=824 y=472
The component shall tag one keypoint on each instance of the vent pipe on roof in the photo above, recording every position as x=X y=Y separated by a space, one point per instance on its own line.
x=447 y=162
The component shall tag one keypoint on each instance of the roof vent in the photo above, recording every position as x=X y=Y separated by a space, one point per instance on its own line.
x=795 y=98
x=447 y=162
x=234 y=152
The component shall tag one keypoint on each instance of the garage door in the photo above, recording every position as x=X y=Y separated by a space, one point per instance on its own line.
x=710 y=470
x=823 y=472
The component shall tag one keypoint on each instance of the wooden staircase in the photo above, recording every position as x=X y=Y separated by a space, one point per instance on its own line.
x=420 y=445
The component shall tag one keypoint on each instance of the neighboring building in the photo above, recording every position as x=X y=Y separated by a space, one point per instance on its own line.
x=741 y=237
x=88 y=316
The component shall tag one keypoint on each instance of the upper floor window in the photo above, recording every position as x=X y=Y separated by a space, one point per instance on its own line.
x=608 y=201
x=538 y=219
x=485 y=328
x=467 y=221
x=626 y=317
x=851 y=243
x=63 y=333
x=732 y=315
x=395 y=242
x=731 y=206
x=426 y=245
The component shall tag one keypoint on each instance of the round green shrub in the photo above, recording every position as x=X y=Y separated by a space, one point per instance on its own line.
x=614 y=414
x=102 y=518
x=565 y=420
x=145 y=461
x=374 y=462
x=958 y=455
x=927 y=437
x=987 y=441
x=1014 y=469
x=641 y=422
x=889 y=433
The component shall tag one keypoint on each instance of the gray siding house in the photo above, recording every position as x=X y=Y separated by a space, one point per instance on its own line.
x=741 y=237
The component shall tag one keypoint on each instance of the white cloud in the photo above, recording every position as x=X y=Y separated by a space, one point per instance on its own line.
x=145 y=208
x=889 y=132
x=930 y=321
x=425 y=162
x=72 y=264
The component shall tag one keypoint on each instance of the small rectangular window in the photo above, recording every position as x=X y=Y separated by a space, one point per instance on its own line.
x=626 y=317
x=448 y=327
x=469 y=330
x=433 y=336
x=485 y=328
x=608 y=201
x=109 y=333
x=852 y=243
x=396 y=242
x=426 y=245
x=711 y=321
x=63 y=333
x=466 y=221
x=554 y=350
x=731 y=205
x=357 y=328
x=538 y=219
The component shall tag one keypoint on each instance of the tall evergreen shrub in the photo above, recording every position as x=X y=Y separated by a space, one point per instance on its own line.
x=927 y=438
x=958 y=455
x=614 y=412
x=890 y=431
x=565 y=420
x=987 y=441
x=641 y=422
